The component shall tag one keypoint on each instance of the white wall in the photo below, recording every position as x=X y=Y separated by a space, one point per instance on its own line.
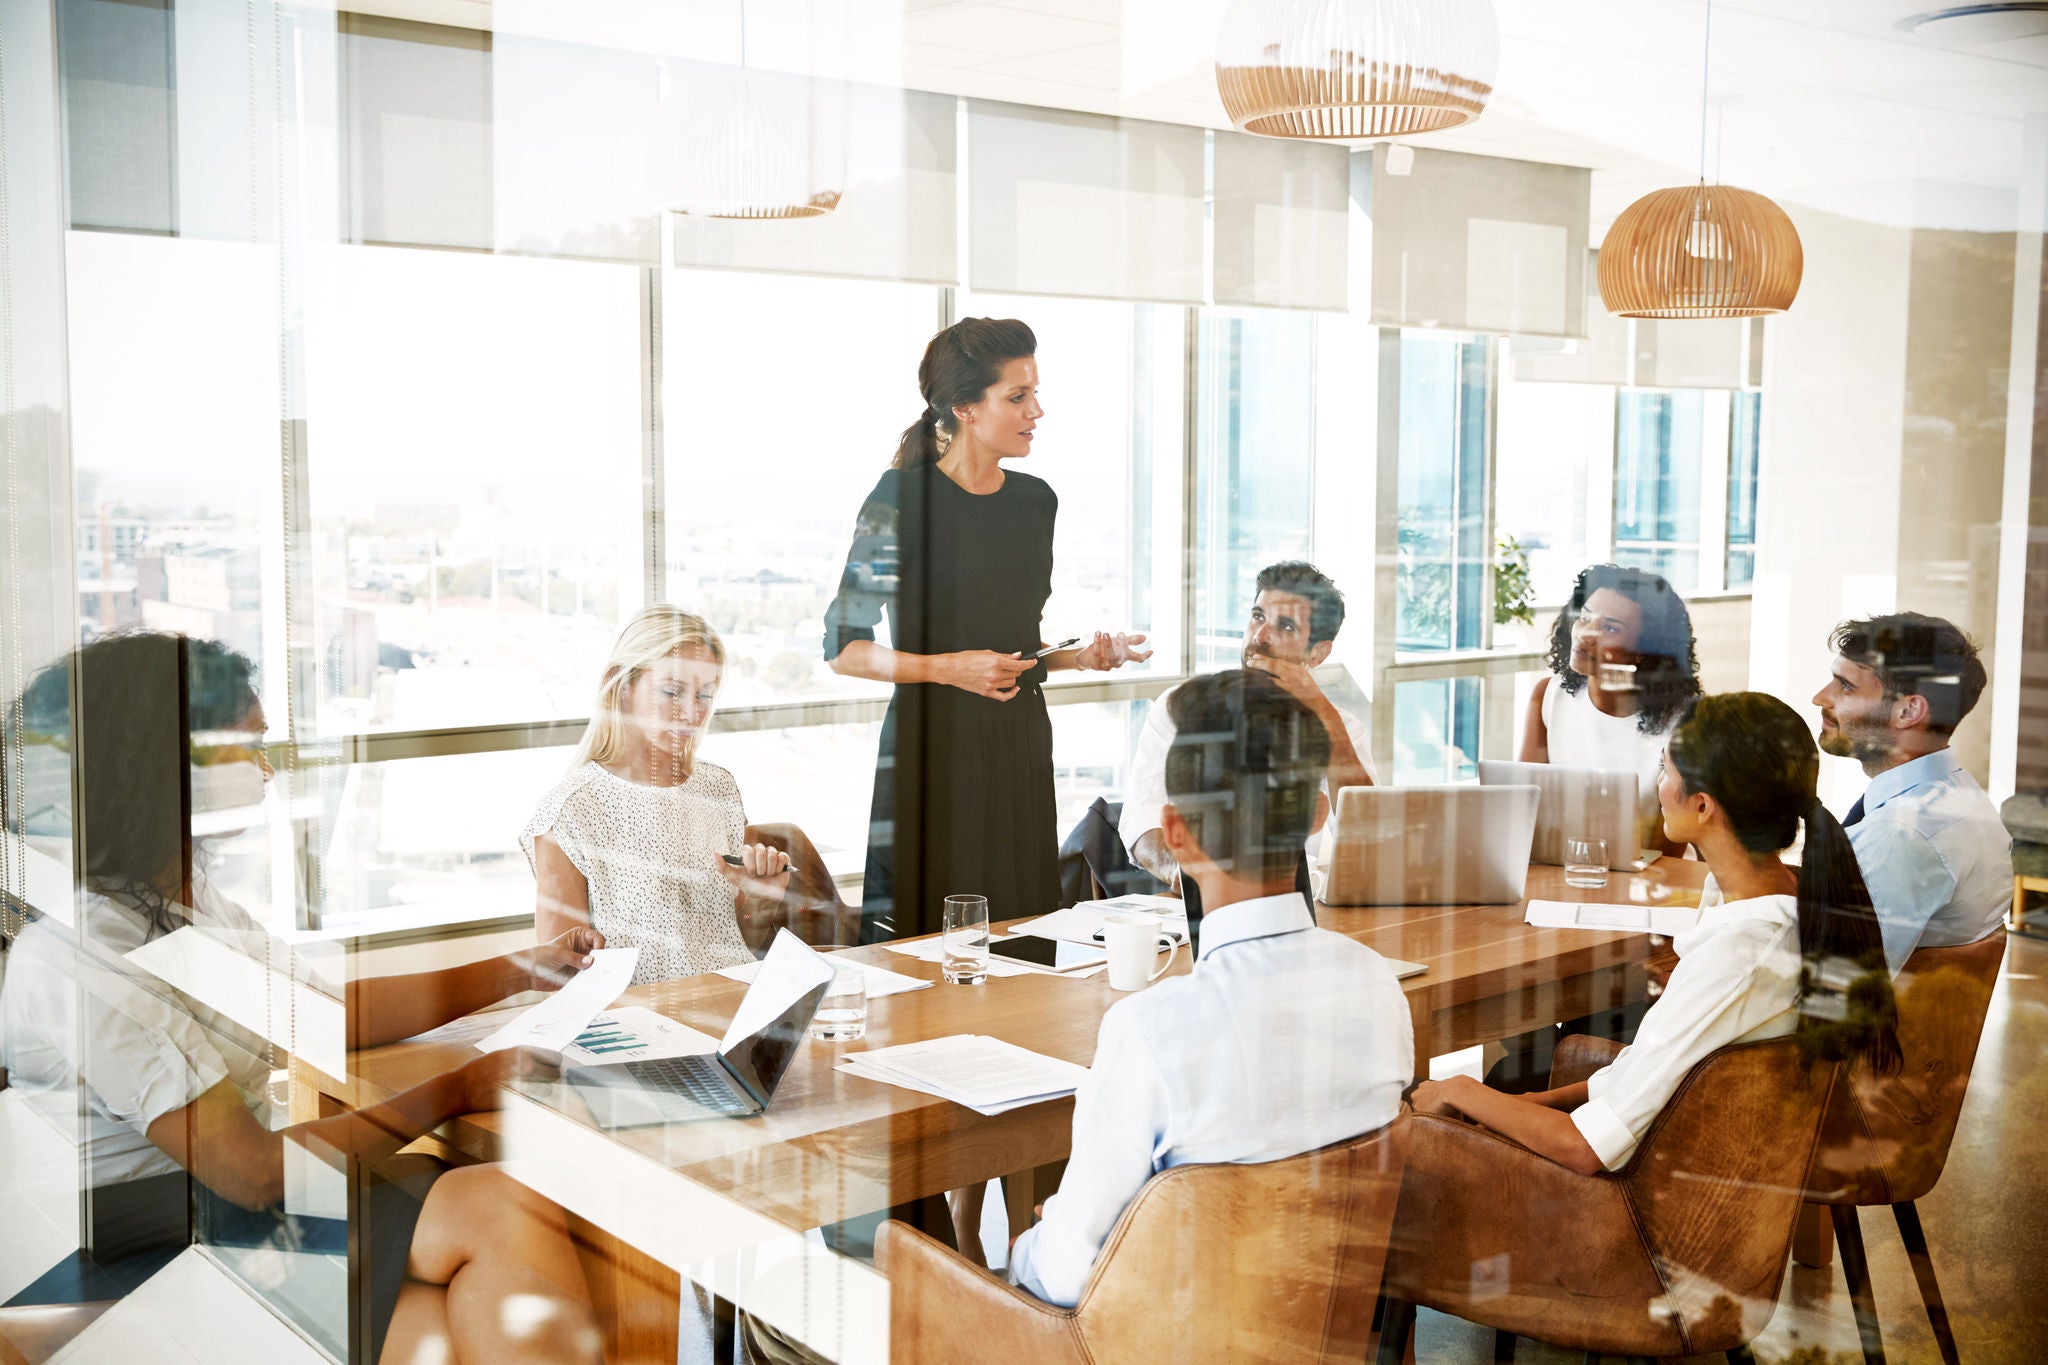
x=1833 y=433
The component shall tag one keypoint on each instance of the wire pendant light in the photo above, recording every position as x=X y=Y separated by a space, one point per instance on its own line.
x=760 y=146
x=1350 y=70
x=1701 y=251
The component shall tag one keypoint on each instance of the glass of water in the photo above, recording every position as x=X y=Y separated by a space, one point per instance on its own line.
x=966 y=940
x=1585 y=862
x=843 y=1014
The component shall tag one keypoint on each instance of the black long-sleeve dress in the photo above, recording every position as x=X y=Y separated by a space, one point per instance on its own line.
x=963 y=799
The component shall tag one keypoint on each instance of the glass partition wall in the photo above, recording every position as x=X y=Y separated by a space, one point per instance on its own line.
x=376 y=370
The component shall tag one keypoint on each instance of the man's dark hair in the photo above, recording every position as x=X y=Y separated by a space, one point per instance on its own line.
x=1917 y=656
x=1299 y=578
x=1246 y=762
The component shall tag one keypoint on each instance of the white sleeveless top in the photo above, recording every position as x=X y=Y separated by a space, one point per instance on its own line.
x=1584 y=736
x=647 y=855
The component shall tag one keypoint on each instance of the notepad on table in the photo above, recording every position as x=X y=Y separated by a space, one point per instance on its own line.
x=1613 y=918
x=985 y=1074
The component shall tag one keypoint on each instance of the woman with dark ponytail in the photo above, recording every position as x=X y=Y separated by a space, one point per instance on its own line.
x=956 y=552
x=1792 y=950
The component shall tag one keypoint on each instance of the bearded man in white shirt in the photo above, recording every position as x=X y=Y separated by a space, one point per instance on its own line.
x=1283 y=1039
x=1296 y=613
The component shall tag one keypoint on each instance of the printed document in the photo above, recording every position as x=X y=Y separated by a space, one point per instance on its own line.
x=987 y=1075
x=881 y=981
x=554 y=1023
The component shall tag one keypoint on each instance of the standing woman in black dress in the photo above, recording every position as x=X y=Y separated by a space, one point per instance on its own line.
x=957 y=552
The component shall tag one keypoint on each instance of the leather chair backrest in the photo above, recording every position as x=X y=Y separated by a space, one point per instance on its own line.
x=1717 y=1182
x=1887 y=1137
x=1278 y=1261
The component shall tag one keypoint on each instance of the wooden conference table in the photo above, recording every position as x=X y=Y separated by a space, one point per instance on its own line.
x=835 y=1146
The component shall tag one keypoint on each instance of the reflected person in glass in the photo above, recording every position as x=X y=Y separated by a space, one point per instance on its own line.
x=1738 y=784
x=633 y=839
x=956 y=552
x=1295 y=615
x=174 y=1097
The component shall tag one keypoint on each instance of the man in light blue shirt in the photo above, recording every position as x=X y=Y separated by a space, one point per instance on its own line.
x=1285 y=1037
x=1934 y=853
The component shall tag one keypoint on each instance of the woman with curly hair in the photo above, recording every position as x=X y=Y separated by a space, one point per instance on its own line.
x=1622 y=669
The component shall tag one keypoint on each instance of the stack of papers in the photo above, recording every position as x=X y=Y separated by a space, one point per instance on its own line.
x=987 y=1075
x=1668 y=920
x=556 y=1022
x=881 y=981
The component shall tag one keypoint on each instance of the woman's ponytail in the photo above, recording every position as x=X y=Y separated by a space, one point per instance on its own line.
x=1846 y=1006
x=919 y=443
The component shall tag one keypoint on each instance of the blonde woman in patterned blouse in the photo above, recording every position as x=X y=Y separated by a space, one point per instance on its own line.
x=632 y=839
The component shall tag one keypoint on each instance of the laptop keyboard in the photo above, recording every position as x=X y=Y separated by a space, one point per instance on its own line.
x=690 y=1079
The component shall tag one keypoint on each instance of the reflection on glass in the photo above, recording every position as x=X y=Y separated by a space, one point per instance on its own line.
x=1436 y=730
x=1745 y=440
x=1657 y=492
x=1442 y=492
x=1254 y=481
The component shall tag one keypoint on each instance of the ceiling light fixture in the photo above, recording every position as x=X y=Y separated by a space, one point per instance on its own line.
x=761 y=147
x=1701 y=251
x=1353 y=70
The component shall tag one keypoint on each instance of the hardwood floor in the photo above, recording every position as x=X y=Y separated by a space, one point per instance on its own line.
x=1986 y=1222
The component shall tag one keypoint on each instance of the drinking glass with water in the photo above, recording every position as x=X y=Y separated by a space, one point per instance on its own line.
x=966 y=940
x=1585 y=862
x=843 y=1014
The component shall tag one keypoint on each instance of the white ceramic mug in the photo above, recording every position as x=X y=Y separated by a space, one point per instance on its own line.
x=1133 y=942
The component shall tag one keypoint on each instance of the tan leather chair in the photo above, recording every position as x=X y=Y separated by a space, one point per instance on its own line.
x=1678 y=1253
x=1886 y=1138
x=1278 y=1261
x=813 y=909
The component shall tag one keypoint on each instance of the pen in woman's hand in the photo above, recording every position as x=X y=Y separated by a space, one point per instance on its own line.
x=734 y=860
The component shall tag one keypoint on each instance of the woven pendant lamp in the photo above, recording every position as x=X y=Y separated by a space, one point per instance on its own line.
x=1701 y=251
x=759 y=146
x=1350 y=70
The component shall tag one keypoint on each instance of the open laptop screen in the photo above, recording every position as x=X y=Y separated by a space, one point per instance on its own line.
x=774 y=1015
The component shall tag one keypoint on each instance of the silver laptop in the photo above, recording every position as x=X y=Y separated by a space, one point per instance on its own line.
x=1577 y=803
x=1461 y=845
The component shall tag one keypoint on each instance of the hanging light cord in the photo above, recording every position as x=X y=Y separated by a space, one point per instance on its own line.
x=1706 y=71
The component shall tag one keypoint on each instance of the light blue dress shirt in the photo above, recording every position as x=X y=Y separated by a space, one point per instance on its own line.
x=1935 y=855
x=1284 y=1038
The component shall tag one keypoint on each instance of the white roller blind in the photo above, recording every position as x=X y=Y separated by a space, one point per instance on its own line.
x=1601 y=357
x=1282 y=213
x=1082 y=205
x=1480 y=244
x=569 y=139
x=1692 y=353
x=896 y=221
x=416 y=165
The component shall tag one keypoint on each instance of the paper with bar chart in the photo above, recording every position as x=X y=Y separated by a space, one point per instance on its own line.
x=632 y=1033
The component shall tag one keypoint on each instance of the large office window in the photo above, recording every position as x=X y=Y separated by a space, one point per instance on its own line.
x=1657 y=482
x=1444 y=536
x=1553 y=479
x=783 y=398
x=474 y=453
x=1255 y=477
